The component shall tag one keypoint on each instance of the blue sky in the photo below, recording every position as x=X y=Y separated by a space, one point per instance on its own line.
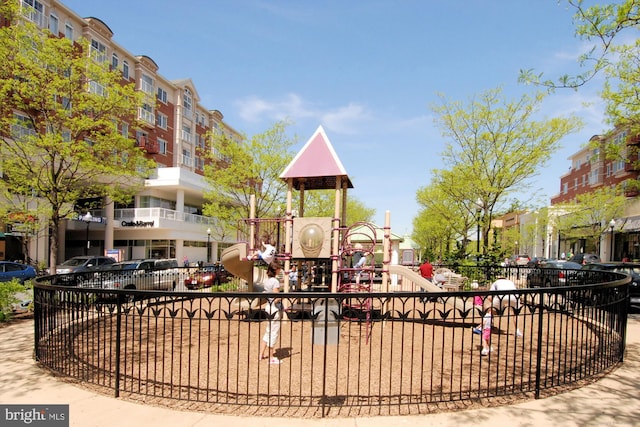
x=367 y=71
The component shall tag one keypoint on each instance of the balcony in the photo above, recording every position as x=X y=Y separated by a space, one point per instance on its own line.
x=33 y=15
x=159 y=217
x=186 y=160
x=187 y=136
x=147 y=116
x=147 y=88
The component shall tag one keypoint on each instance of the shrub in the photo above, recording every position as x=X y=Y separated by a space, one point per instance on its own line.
x=8 y=297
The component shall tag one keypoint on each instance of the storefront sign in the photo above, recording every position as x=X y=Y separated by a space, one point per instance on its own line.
x=137 y=223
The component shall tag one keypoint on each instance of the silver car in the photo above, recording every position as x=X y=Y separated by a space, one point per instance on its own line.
x=145 y=274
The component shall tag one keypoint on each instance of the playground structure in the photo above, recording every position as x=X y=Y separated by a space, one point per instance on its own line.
x=199 y=349
x=316 y=243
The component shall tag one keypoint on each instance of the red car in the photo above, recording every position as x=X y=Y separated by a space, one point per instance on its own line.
x=207 y=277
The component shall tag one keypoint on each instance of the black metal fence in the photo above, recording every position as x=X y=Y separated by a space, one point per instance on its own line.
x=341 y=354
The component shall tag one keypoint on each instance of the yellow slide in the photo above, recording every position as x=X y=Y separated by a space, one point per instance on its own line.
x=425 y=284
x=234 y=259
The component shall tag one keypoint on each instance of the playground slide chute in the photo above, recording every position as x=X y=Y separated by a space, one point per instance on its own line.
x=234 y=259
x=425 y=284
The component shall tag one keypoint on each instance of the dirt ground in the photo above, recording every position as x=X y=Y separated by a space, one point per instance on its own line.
x=379 y=357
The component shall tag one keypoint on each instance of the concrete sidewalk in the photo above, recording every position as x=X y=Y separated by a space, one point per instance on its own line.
x=612 y=401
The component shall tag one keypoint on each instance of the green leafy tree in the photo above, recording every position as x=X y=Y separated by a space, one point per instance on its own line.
x=321 y=203
x=599 y=24
x=442 y=218
x=588 y=217
x=59 y=116
x=239 y=170
x=495 y=146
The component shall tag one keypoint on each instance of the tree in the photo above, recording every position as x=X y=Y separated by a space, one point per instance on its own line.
x=59 y=117
x=320 y=203
x=588 y=217
x=600 y=24
x=494 y=146
x=442 y=218
x=238 y=170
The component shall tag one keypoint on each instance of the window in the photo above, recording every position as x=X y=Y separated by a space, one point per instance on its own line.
x=66 y=103
x=141 y=138
x=146 y=113
x=33 y=10
x=97 y=88
x=22 y=127
x=125 y=69
x=186 y=133
x=162 y=146
x=146 y=84
x=125 y=130
x=98 y=51
x=200 y=141
x=186 y=158
x=199 y=163
x=53 y=25
x=187 y=100
x=162 y=120
x=162 y=95
x=564 y=188
x=114 y=61
x=575 y=183
x=68 y=31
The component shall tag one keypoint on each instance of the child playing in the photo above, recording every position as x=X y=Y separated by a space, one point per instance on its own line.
x=478 y=303
x=486 y=328
x=266 y=255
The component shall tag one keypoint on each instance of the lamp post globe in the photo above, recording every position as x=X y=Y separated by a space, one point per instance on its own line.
x=612 y=224
x=87 y=218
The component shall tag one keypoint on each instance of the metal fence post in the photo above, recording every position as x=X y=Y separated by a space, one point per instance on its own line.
x=118 y=339
x=539 y=349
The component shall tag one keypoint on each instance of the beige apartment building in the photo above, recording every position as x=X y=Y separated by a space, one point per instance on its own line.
x=165 y=219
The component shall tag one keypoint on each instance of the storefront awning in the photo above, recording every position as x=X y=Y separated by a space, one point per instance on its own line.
x=628 y=224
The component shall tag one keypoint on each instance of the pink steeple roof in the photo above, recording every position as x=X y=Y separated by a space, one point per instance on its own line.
x=316 y=164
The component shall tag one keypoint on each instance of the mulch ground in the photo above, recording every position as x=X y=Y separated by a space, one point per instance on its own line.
x=418 y=357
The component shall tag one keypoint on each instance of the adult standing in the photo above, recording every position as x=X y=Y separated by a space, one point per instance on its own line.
x=273 y=307
x=426 y=270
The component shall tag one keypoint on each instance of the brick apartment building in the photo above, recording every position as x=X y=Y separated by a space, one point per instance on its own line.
x=164 y=220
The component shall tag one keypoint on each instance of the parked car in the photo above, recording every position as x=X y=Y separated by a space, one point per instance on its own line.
x=630 y=268
x=143 y=274
x=554 y=273
x=520 y=259
x=584 y=258
x=15 y=270
x=536 y=261
x=81 y=264
x=207 y=276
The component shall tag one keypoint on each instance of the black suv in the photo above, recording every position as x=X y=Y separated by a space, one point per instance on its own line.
x=630 y=268
x=554 y=273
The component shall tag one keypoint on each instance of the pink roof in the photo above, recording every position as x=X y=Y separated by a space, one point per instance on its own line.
x=316 y=163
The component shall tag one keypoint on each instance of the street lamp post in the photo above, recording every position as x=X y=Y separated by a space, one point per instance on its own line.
x=87 y=218
x=478 y=210
x=612 y=224
x=208 y=245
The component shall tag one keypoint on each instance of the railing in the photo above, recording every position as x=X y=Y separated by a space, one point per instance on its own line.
x=407 y=352
x=131 y=214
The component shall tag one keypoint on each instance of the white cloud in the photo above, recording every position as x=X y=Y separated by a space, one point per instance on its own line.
x=344 y=119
